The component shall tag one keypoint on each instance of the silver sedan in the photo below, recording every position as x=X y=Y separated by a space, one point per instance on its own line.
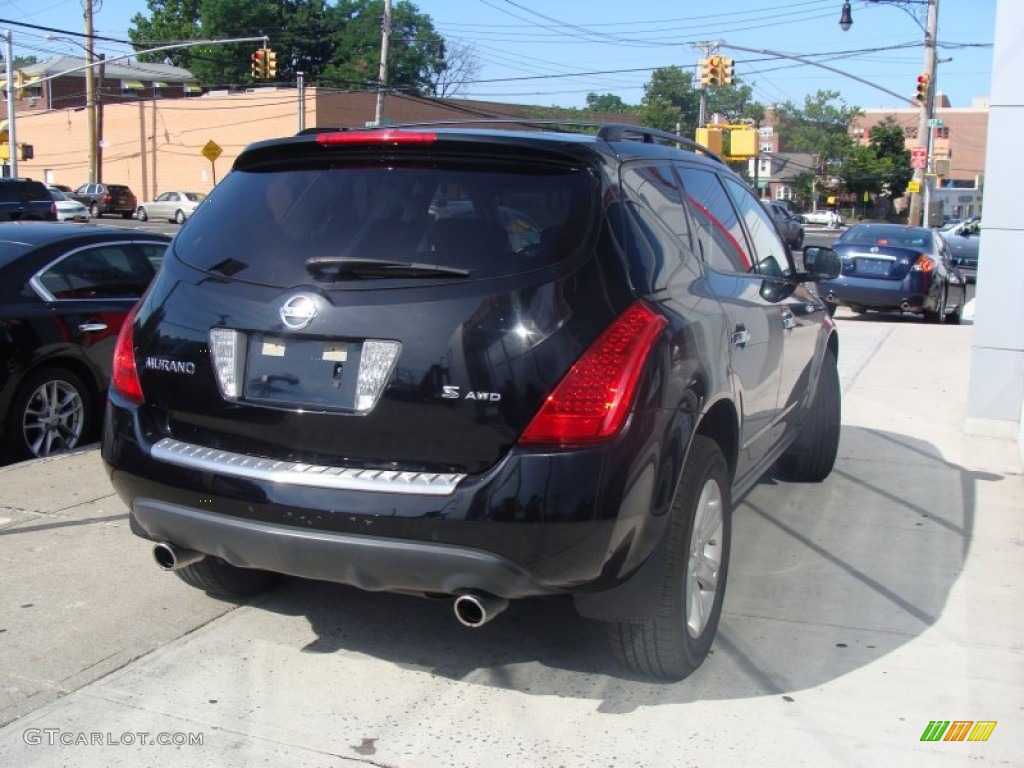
x=173 y=206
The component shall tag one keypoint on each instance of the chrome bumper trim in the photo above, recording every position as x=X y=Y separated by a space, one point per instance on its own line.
x=296 y=473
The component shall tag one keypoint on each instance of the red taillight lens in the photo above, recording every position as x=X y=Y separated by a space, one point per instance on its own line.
x=385 y=136
x=125 y=379
x=592 y=401
x=924 y=264
x=106 y=198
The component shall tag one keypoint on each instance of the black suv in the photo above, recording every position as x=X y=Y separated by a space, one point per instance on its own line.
x=101 y=199
x=24 y=200
x=487 y=364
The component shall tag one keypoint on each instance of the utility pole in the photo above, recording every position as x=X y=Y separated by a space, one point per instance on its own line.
x=927 y=110
x=706 y=49
x=300 y=87
x=90 y=91
x=383 y=77
x=12 y=139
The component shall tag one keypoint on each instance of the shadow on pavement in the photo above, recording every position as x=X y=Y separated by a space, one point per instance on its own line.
x=825 y=579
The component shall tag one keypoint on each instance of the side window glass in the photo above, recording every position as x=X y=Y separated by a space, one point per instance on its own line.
x=720 y=238
x=154 y=252
x=771 y=259
x=656 y=187
x=101 y=272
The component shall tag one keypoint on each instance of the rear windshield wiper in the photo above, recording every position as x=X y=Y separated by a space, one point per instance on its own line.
x=342 y=267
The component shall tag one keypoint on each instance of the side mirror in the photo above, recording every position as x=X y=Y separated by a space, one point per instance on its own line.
x=821 y=263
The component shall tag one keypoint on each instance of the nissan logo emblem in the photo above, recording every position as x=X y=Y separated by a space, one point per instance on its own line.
x=297 y=312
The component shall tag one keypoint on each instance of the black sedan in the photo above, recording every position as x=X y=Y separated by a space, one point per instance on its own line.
x=894 y=268
x=64 y=292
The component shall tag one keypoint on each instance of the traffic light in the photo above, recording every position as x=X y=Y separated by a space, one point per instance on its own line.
x=259 y=65
x=270 y=63
x=714 y=70
x=726 y=71
x=923 y=86
x=705 y=71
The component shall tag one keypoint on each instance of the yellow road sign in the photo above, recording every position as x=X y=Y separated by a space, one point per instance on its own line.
x=212 y=151
x=914 y=186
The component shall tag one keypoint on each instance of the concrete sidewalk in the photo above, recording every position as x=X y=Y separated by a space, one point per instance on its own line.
x=858 y=611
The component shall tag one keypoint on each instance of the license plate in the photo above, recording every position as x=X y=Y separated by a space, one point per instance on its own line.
x=873 y=267
x=306 y=372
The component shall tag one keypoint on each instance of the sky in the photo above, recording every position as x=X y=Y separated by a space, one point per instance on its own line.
x=555 y=52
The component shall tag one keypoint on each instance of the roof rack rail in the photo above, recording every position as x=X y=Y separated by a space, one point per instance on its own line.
x=624 y=132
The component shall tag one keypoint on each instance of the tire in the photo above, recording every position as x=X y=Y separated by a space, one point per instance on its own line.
x=95 y=212
x=180 y=217
x=128 y=215
x=956 y=317
x=857 y=309
x=221 y=579
x=673 y=643
x=810 y=459
x=937 y=315
x=141 y=215
x=51 y=413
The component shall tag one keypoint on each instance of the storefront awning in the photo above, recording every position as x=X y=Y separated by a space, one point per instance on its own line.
x=135 y=85
x=158 y=84
x=193 y=88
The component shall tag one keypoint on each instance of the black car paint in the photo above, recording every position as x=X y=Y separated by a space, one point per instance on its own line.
x=35 y=333
x=533 y=520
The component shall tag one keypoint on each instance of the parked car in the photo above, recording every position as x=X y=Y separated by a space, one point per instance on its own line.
x=791 y=228
x=173 y=206
x=61 y=187
x=64 y=292
x=823 y=216
x=891 y=267
x=963 y=240
x=25 y=200
x=67 y=208
x=102 y=199
x=328 y=381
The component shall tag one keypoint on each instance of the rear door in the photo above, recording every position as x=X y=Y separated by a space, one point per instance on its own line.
x=755 y=318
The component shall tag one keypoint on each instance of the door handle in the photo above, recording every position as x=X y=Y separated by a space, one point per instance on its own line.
x=740 y=336
x=92 y=327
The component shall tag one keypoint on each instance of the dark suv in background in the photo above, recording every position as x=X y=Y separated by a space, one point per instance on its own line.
x=102 y=199
x=483 y=364
x=26 y=200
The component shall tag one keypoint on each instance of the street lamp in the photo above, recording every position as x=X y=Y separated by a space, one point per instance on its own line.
x=927 y=108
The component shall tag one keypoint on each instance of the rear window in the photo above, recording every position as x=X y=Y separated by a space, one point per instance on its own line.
x=25 y=191
x=263 y=225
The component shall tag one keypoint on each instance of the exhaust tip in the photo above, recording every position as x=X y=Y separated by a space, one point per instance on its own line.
x=171 y=558
x=475 y=610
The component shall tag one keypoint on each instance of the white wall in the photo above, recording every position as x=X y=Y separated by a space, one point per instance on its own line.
x=995 y=403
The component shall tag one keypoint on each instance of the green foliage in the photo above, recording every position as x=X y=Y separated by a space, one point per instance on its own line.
x=670 y=101
x=17 y=62
x=608 y=102
x=886 y=138
x=735 y=101
x=820 y=128
x=335 y=44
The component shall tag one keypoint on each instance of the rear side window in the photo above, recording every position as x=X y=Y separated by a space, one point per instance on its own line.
x=720 y=237
x=263 y=225
x=96 y=272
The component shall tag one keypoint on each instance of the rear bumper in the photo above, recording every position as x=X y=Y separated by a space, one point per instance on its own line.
x=536 y=523
x=915 y=293
x=368 y=562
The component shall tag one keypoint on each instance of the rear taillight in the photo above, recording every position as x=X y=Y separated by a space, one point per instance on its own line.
x=923 y=264
x=592 y=401
x=125 y=379
x=106 y=198
x=386 y=136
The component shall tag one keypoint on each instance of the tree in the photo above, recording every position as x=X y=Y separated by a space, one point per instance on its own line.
x=338 y=43
x=820 y=128
x=17 y=62
x=608 y=102
x=887 y=140
x=461 y=66
x=735 y=102
x=670 y=101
